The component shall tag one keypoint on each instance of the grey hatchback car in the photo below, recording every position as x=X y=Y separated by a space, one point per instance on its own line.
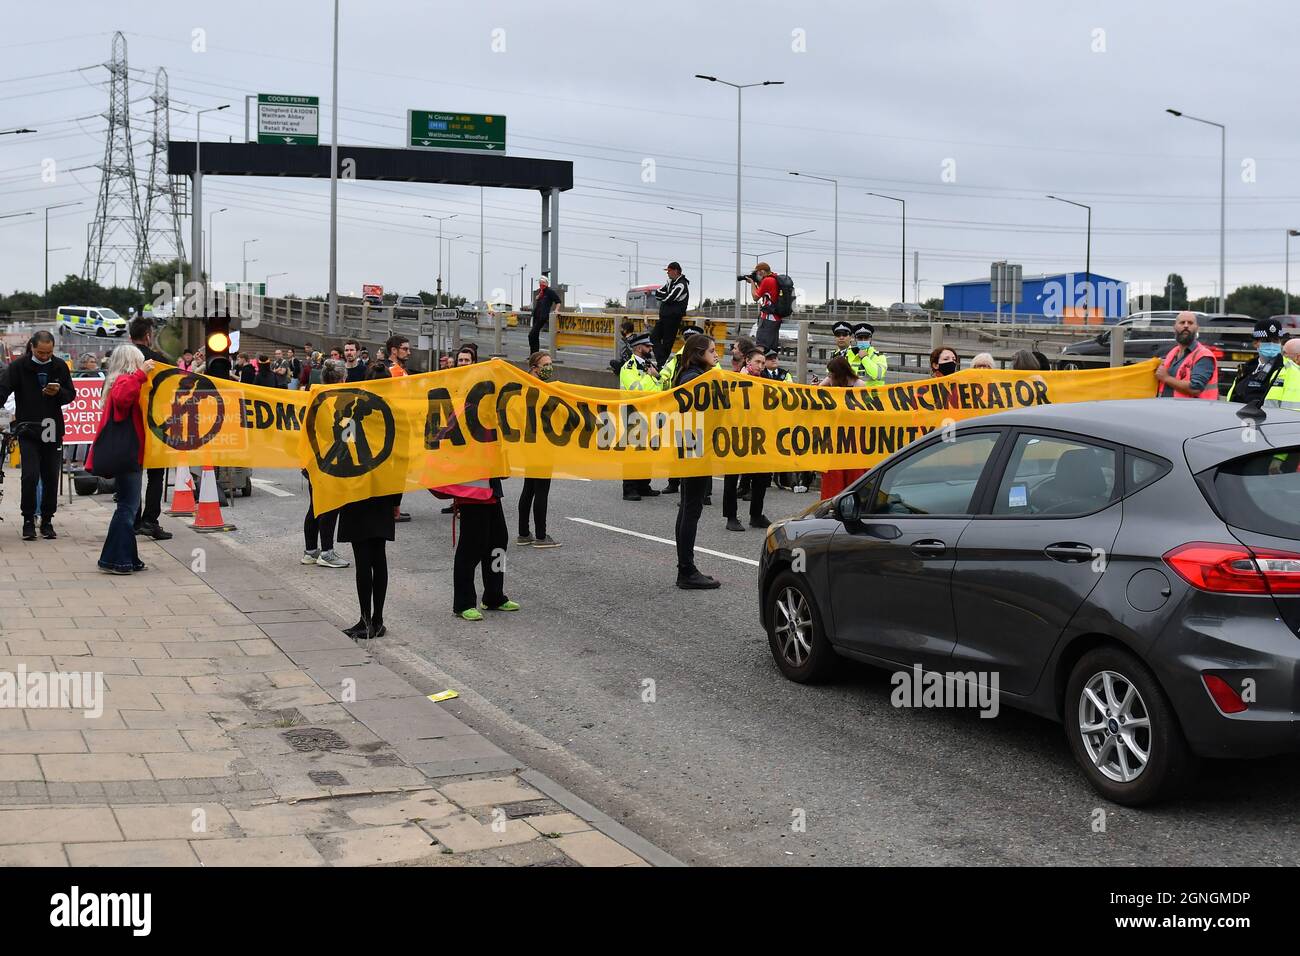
x=1128 y=568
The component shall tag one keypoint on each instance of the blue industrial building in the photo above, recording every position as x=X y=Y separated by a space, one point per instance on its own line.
x=1060 y=297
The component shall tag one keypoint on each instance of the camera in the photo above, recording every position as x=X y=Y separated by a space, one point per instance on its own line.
x=751 y=277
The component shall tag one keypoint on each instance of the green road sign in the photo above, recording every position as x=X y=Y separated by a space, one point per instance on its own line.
x=288 y=120
x=426 y=129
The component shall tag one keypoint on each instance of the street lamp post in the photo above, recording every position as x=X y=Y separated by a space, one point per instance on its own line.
x=47 y=240
x=1087 y=254
x=247 y=260
x=787 y=236
x=903 y=287
x=212 y=241
x=836 y=255
x=1286 y=290
x=196 y=210
x=739 y=88
x=636 y=270
x=700 y=295
x=267 y=285
x=334 y=180
x=1223 y=192
x=441 y=220
x=450 y=262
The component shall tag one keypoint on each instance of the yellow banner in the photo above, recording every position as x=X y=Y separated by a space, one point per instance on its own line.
x=492 y=419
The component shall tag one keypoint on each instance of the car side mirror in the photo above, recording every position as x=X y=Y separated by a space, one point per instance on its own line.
x=846 y=508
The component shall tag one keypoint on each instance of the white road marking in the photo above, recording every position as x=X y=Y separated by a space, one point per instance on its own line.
x=269 y=487
x=650 y=537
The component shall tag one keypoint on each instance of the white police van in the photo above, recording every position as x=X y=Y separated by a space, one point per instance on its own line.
x=90 y=320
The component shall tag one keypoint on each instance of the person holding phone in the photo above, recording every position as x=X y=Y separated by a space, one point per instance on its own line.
x=41 y=385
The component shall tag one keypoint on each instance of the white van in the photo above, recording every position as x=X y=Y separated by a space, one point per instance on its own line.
x=90 y=320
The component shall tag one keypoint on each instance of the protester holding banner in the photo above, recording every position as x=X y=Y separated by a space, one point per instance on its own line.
x=536 y=491
x=128 y=370
x=840 y=374
x=368 y=525
x=755 y=364
x=318 y=530
x=146 y=520
x=698 y=356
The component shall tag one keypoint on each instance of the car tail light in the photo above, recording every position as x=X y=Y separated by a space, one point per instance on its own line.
x=1224 y=697
x=1235 y=569
x=1216 y=352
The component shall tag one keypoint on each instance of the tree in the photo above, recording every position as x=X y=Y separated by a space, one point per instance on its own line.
x=21 y=301
x=1257 y=301
x=1175 y=291
x=612 y=304
x=74 y=290
x=932 y=305
x=157 y=272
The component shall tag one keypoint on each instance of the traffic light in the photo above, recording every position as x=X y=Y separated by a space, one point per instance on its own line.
x=216 y=345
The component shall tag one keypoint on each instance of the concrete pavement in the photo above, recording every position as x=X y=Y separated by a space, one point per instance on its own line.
x=238 y=726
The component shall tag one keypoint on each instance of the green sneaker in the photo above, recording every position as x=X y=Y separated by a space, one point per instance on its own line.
x=508 y=606
x=473 y=614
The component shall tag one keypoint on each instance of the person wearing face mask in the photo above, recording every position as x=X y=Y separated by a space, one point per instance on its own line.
x=1262 y=377
x=943 y=361
x=536 y=491
x=1190 y=370
x=869 y=364
x=41 y=386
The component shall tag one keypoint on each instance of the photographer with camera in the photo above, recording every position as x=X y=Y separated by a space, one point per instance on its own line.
x=765 y=291
x=41 y=386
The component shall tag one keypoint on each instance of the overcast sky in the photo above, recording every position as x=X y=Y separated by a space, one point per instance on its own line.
x=970 y=111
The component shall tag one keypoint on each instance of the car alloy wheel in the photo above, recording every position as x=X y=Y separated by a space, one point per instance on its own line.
x=793 y=625
x=1115 y=726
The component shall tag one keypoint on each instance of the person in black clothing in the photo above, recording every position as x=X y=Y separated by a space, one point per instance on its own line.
x=368 y=525
x=674 y=296
x=266 y=376
x=146 y=519
x=699 y=354
x=41 y=385
x=245 y=371
x=355 y=368
x=1255 y=378
x=537 y=491
x=732 y=485
x=542 y=303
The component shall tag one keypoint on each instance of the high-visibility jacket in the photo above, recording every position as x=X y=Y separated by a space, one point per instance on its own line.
x=669 y=370
x=1285 y=392
x=868 y=364
x=1198 y=352
x=635 y=377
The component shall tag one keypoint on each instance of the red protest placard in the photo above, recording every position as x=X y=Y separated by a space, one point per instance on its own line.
x=81 y=415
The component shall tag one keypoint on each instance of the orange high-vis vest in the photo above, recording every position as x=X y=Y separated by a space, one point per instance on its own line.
x=1211 y=391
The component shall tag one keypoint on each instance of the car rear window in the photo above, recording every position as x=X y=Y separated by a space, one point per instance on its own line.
x=1260 y=492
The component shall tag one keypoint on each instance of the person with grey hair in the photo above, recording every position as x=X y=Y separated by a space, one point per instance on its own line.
x=128 y=370
x=41 y=385
x=983 y=360
x=1024 y=361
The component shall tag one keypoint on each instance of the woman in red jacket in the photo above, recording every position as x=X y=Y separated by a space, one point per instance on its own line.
x=127 y=372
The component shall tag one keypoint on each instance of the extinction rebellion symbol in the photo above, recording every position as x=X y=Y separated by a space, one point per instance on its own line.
x=181 y=429
x=351 y=449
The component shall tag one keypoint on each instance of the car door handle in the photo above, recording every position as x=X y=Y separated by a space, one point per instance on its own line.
x=1070 y=552
x=929 y=548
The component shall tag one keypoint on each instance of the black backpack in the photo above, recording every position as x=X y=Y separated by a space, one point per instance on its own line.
x=784 y=304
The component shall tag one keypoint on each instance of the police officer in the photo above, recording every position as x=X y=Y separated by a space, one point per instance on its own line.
x=772 y=370
x=1263 y=377
x=863 y=358
x=670 y=367
x=638 y=374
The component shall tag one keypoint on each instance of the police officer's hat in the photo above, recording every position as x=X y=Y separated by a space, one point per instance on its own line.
x=641 y=338
x=772 y=353
x=842 y=328
x=1267 y=329
x=689 y=330
x=864 y=328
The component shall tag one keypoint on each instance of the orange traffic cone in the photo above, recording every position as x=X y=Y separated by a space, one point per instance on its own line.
x=182 y=494
x=209 y=512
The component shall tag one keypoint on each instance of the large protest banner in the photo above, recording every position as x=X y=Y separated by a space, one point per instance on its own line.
x=491 y=419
